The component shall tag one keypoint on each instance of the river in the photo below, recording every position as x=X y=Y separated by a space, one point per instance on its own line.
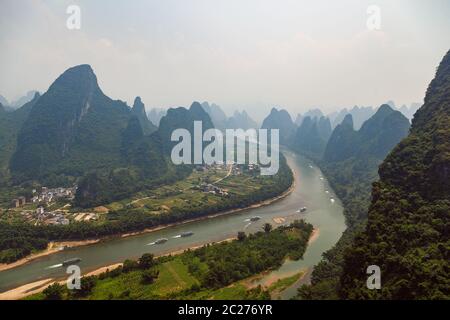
x=312 y=190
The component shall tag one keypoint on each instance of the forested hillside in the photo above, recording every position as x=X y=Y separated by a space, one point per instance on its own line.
x=407 y=233
x=10 y=124
x=350 y=163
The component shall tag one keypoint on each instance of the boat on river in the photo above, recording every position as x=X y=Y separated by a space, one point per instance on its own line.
x=161 y=241
x=71 y=262
x=187 y=234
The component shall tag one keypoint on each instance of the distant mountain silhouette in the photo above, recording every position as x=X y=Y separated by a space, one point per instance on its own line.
x=312 y=136
x=280 y=119
x=177 y=118
x=139 y=111
x=312 y=113
x=377 y=136
x=218 y=117
x=155 y=115
x=359 y=115
x=241 y=120
x=409 y=112
x=3 y=101
x=24 y=99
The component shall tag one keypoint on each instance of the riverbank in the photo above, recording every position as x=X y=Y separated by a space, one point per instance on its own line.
x=215 y=215
x=39 y=286
x=55 y=247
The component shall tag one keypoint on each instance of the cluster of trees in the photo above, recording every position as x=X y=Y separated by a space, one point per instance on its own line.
x=15 y=245
x=106 y=186
x=146 y=265
x=222 y=264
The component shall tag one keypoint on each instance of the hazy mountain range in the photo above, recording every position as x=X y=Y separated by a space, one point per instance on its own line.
x=19 y=102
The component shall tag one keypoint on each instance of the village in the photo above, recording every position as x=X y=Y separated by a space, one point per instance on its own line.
x=39 y=209
x=233 y=169
x=52 y=206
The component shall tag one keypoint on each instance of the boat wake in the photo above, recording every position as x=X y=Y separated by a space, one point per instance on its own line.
x=55 y=266
x=177 y=236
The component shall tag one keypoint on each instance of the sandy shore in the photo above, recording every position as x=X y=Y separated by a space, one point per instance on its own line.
x=39 y=286
x=314 y=235
x=26 y=290
x=54 y=247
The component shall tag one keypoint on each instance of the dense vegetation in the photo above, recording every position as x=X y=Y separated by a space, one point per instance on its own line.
x=10 y=124
x=407 y=233
x=350 y=163
x=203 y=273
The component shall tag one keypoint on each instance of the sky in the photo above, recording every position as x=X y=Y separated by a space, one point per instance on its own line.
x=241 y=54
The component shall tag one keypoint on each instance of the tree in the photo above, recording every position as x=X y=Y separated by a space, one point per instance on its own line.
x=129 y=265
x=267 y=227
x=241 y=236
x=54 y=292
x=87 y=284
x=149 y=276
x=146 y=261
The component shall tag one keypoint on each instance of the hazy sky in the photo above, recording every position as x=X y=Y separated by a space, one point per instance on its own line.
x=244 y=54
